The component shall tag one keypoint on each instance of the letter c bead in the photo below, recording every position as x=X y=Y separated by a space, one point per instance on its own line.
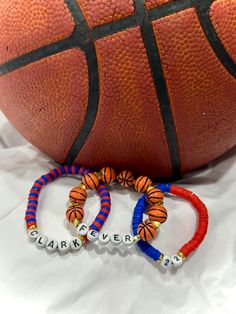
x=33 y=234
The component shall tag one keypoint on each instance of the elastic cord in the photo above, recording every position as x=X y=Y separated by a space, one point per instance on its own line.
x=201 y=230
x=39 y=184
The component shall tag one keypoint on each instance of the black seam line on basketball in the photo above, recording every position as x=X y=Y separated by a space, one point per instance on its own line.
x=92 y=63
x=78 y=39
x=202 y=8
x=81 y=33
x=168 y=9
x=143 y=187
x=160 y=84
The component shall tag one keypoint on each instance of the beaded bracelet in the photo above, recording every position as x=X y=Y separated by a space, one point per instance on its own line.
x=189 y=247
x=63 y=246
x=147 y=230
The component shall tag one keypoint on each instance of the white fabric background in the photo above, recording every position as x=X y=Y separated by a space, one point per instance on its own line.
x=98 y=282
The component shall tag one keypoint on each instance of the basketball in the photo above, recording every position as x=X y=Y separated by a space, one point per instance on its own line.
x=142 y=85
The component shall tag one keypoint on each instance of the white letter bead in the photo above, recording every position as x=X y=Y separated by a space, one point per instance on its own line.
x=82 y=229
x=92 y=235
x=116 y=239
x=76 y=244
x=177 y=261
x=128 y=239
x=104 y=238
x=64 y=246
x=41 y=241
x=166 y=262
x=33 y=234
x=51 y=245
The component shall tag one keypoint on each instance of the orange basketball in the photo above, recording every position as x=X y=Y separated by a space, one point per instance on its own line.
x=142 y=85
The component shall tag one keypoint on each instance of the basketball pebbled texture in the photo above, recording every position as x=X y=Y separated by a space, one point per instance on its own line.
x=142 y=85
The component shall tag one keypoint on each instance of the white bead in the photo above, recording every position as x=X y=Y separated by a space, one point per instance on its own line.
x=166 y=262
x=127 y=239
x=33 y=234
x=116 y=239
x=177 y=261
x=104 y=238
x=76 y=244
x=41 y=241
x=82 y=229
x=92 y=235
x=51 y=245
x=64 y=246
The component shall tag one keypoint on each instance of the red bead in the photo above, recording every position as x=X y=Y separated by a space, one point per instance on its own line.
x=108 y=175
x=126 y=178
x=157 y=213
x=75 y=212
x=90 y=180
x=155 y=196
x=141 y=184
x=78 y=195
x=147 y=231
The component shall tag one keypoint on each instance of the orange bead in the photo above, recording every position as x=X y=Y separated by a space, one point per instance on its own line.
x=108 y=175
x=157 y=213
x=141 y=184
x=147 y=231
x=78 y=195
x=126 y=178
x=90 y=180
x=75 y=212
x=155 y=196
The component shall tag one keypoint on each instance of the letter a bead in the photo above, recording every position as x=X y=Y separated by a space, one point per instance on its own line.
x=82 y=229
x=51 y=246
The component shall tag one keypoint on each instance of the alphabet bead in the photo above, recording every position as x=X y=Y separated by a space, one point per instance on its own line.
x=82 y=229
x=51 y=245
x=41 y=241
x=64 y=246
x=116 y=239
x=177 y=261
x=92 y=235
x=76 y=244
x=104 y=238
x=33 y=234
x=166 y=262
x=127 y=239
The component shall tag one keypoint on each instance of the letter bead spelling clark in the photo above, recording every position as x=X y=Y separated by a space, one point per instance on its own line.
x=74 y=213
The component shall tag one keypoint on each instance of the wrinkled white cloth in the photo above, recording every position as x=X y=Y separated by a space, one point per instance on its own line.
x=98 y=281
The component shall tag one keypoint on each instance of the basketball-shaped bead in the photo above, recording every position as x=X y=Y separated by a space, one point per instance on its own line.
x=90 y=180
x=126 y=179
x=157 y=213
x=147 y=231
x=78 y=195
x=142 y=183
x=108 y=175
x=75 y=212
x=155 y=196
